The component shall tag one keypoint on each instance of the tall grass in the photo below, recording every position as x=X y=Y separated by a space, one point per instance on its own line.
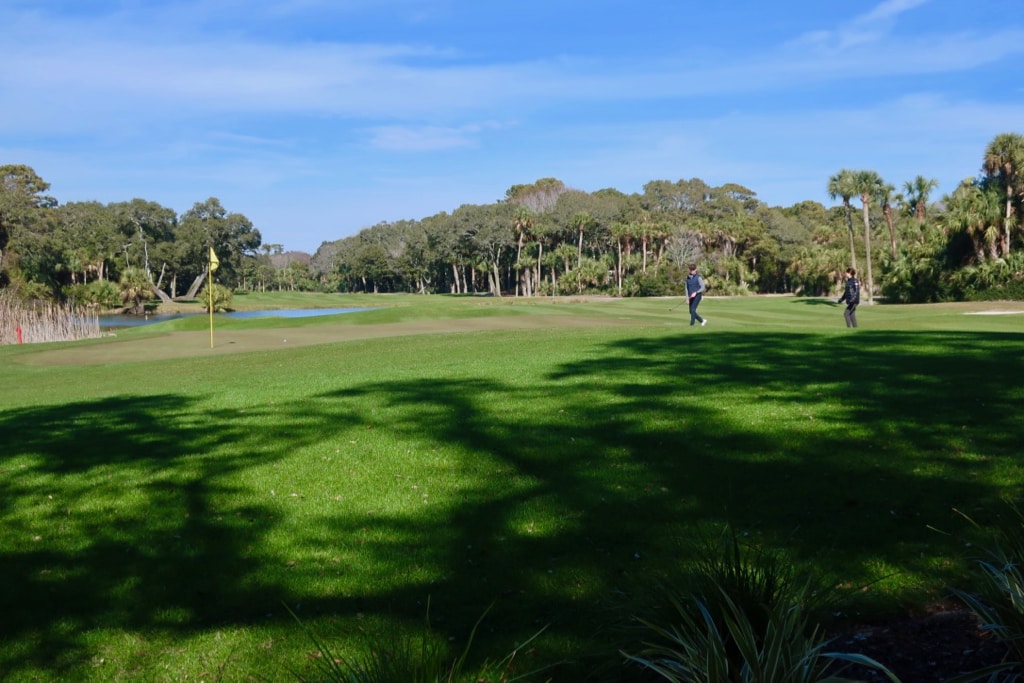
x=45 y=321
x=397 y=655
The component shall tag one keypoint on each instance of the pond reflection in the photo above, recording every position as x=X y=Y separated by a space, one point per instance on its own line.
x=108 y=321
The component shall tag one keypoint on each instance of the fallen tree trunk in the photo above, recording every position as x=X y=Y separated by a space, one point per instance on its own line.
x=196 y=284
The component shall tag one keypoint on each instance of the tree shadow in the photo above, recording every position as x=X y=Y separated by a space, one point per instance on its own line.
x=828 y=302
x=169 y=561
x=913 y=440
x=544 y=513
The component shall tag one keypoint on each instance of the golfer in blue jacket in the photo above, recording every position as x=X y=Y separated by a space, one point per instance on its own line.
x=694 y=293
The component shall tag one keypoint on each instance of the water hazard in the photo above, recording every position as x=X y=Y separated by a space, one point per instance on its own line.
x=108 y=321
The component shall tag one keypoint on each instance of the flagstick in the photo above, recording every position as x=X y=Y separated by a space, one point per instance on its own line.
x=210 y=288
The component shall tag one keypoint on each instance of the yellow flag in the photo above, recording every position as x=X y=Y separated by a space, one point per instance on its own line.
x=214 y=261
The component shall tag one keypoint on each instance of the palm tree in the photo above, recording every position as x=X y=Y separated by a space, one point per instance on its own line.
x=867 y=184
x=842 y=185
x=136 y=288
x=1004 y=160
x=917 y=191
x=885 y=198
x=564 y=252
x=540 y=231
x=581 y=222
x=975 y=211
x=522 y=222
x=623 y=232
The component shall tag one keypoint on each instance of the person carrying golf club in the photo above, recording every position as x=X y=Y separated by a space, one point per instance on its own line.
x=694 y=293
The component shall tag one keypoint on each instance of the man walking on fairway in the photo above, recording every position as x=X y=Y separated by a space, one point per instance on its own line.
x=694 y=293
x=851 y=295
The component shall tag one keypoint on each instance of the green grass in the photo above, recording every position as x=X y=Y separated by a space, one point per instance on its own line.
x=162 y=502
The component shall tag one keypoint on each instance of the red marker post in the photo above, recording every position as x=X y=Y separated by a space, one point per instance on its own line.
x=19 y=335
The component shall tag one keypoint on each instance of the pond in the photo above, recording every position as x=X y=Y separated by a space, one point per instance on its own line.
x=109 y=321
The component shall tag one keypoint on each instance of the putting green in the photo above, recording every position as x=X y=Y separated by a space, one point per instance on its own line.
x=171 y=345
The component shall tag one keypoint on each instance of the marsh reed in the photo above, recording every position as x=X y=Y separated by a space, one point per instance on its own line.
x=44 y=321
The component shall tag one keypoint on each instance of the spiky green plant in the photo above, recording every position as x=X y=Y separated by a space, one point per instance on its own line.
x=743 y=615
x=998 y=596
x=398 y=656
x=754 y=578
x=734 y=650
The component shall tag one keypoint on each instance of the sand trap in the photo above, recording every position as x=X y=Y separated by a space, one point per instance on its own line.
x=992 y=312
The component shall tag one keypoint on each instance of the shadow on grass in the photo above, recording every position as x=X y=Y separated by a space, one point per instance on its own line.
x=551 y=495
x=112 y=507
x=828 y=301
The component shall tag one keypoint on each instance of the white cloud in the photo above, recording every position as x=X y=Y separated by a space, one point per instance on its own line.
x=890 y=9
x=868 y=28
x=179 y=100
x=428 y=138
x=110 y=74
x=421 y=138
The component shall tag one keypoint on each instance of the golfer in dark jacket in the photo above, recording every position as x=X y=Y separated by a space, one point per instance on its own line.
x=694 y=293
x=851 y=295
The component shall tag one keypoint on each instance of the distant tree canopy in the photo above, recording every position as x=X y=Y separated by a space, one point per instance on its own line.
x=50 y=249
x=546 y=238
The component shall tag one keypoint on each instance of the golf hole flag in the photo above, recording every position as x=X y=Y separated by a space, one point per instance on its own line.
x=214 y=262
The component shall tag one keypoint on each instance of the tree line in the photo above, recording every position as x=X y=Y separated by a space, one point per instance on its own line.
x=546 y=238
x=113 y=254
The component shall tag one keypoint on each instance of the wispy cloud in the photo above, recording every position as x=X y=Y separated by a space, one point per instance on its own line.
x=110 y=77
x=868 y=28
x=262 y=100
x=428 y=138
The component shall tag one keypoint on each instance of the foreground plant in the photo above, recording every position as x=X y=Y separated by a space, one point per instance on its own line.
x=742 y=618
x=401 y=657
x=998 y=600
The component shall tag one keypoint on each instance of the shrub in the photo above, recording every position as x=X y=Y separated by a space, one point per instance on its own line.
x=221 y=298
x=998 y=596
x=1011 y=291
x=668 y=280
x=729 y=277
x=102 y=293
x=989 y=280
x=912 y=278
x=815 y=271
x=741 y=616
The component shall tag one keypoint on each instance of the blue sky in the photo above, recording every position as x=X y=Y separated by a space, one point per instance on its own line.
x=317 y=118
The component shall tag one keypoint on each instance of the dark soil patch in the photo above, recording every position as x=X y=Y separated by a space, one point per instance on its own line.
x=923 y=649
